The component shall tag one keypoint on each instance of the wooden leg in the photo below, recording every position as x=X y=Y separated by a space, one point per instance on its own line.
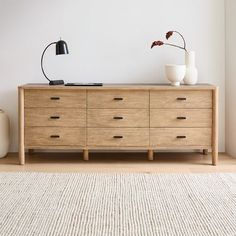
x=86 y=154
x=150 y=155
x=205 y=151
x=21 y=142
x=215 y=128
x=214 y=157
x=22 y=155
x=31 y=151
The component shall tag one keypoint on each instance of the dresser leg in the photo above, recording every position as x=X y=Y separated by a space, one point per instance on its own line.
x=205 y=151
x=22 y=156
x=21 y=134
x=215 y=128
x=86 y=154
x=214 y=157
x=150 y=155
x=31 y=151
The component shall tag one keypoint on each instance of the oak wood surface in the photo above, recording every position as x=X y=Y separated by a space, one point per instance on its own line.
x=181 y=99
x=215 y=132
x=21 y=131
x=54 y=136
x=118 y=118
x=181 y=118
x=63 y=117
x=139 y=106
x=119 y=137
x=55 y=98
x=119 y=162
x=118 y=99
x=131 y=86
x=180 y=137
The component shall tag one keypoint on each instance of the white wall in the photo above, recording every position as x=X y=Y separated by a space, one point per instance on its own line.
x=231 y=77
x=109 y=41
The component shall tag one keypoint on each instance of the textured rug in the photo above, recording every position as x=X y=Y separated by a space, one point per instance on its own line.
x=117 y=204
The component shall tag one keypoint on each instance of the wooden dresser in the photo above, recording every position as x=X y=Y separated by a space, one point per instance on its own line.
x=118 y=117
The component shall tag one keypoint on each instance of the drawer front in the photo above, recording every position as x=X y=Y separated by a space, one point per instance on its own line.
x=55 y=136
x=118 y=118
x=63 y=117
x=181 y=99
x=55 y=98
x=181 y=118
x=118 y=137
x=177 y=137
x=118 y=99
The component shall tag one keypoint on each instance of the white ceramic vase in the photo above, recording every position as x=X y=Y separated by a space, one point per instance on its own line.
x=175 y=73
x=4 y=134
x=191 y=75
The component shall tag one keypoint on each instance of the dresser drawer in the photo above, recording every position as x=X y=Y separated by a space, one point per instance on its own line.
x=55 y=98
x=54 y=136
x=118 y=137
x=177 y=137
x=180 y=99
x=63 y=117
x=118 y=99
x=181 y=118
x=118 y=118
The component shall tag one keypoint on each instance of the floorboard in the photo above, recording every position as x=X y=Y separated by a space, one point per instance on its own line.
x=119 y=162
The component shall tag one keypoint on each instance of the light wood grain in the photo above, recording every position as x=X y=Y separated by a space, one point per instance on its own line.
x=118 y=162
x=195 y=118
x=169 y=99
x=21 y=134
x=131 y=137
x=41 y=136
x=85 y=154
x=63 y=117
x=215 y=127
x=168 y=137
x=150 y=155
x=106 y=99
x=86 y=118
x=118 y=118
x=120 y=86
x=55 y=98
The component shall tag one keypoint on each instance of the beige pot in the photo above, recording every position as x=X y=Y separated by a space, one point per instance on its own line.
x=4 y=134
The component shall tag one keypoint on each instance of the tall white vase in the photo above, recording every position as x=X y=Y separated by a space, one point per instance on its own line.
x=191 y=75
x=4 y=134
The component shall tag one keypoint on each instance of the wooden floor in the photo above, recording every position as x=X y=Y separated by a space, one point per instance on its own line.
x=119 y=162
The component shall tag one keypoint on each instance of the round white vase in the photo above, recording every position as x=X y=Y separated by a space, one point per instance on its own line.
x=175 y=73
x=4 y=134
x=191 y=75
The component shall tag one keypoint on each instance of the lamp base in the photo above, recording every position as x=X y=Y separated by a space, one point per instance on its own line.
x=56 y=82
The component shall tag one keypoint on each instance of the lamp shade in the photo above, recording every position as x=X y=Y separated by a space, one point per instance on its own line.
x=61 y=48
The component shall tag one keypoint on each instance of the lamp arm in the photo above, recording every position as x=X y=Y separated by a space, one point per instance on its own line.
x=42 y=60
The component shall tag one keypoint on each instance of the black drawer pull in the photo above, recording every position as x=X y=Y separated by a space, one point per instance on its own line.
x=181 y=118
x=117 y=136
x=55 y=136
x=181 y=137
x=55 y=117
x=118 y=118
x=55 y=98
x=181 y=99
x=118 y=99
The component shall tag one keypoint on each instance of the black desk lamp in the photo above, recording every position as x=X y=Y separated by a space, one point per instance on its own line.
x=61 y=49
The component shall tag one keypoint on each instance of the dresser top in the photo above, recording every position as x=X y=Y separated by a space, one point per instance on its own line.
x=123 y=86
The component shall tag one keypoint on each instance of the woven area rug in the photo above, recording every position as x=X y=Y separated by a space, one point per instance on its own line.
x=117 y=204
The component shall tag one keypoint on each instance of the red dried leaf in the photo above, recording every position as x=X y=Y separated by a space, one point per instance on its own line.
x=157 y=43
x=169 y=34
